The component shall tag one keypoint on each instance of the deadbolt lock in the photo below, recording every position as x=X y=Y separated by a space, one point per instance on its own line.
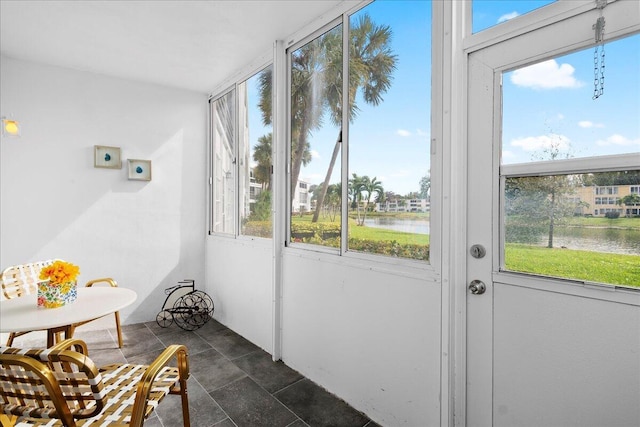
x=478 y=251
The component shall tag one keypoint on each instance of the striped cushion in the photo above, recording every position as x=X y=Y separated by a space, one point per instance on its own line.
x=114 y=386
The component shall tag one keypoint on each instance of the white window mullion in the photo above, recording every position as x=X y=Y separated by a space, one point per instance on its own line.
x=344 y=226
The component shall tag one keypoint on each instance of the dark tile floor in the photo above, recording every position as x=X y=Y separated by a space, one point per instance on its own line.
x=232 y=383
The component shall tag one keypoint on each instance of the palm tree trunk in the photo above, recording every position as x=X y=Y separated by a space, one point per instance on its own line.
x=325 y=185
x=366 y=208
x=297 y=160
x=552 y=215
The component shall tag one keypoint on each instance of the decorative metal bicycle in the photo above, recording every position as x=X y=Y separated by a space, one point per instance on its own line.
x=190 y=311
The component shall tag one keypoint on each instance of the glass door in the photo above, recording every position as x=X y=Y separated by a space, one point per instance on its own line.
x=553 y=302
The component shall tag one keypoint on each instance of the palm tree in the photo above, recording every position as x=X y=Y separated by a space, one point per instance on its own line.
x=333 y=200
x=371 y=64
x=316 y=85
x=306 y=110
x=370 y=187
x=262 y=156
x=355 y=193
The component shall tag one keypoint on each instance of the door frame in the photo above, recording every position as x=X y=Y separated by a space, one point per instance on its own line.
x=490 y=53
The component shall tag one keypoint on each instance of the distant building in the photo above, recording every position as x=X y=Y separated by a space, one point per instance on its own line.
x=301 y=198
x=404 y=205
x=418 y=205
x=606 y=198
x=255 y=188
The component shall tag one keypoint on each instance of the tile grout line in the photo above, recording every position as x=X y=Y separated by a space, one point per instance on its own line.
x=198 y=382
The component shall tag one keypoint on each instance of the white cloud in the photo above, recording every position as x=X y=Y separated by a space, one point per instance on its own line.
x=617 y=139
x=534 y=143
x=421 y=132
x=508 y=154
x=587 y=124
x=315 y=154
x=403 y=132
x=507 y=16
x=546 y=75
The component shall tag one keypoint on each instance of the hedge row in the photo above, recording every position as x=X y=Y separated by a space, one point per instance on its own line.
x=258 y=229
x=327 y=234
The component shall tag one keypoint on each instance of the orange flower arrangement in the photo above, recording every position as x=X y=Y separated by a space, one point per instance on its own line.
x=60 y=272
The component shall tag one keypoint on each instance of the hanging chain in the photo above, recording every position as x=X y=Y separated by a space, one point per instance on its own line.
x=598 y=72
x=596 y=79
x=598 y=58
x=602 y=70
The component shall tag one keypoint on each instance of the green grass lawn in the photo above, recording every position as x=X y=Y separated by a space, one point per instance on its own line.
x=566 y=263
x=582 y=265
x=371 y=233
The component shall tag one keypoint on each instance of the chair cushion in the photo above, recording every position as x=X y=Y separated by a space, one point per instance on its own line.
x=120 y=383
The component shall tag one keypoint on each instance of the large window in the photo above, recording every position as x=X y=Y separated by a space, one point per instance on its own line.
x=255 y=155
x=378 y=200
x=223 y=153
x=570 y=165
x=316 y=118
x=241 y=147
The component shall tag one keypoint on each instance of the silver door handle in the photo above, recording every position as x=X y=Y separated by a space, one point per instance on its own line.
x=477 y=287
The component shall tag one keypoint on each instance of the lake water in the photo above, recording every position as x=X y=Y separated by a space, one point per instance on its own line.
x=611 y=240
x=416 y=226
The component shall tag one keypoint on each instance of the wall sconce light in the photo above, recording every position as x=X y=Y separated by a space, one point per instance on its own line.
x=10 y=127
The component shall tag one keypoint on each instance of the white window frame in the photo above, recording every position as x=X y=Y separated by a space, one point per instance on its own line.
x=215 y=164
x=229 y=86
x=399 y=265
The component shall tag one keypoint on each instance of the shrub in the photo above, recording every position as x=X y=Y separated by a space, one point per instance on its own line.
x=262 y=207
x=612 y=215
x=390 y=248
x=258 y=228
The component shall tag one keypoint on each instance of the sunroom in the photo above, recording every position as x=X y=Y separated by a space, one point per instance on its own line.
x=457 y=242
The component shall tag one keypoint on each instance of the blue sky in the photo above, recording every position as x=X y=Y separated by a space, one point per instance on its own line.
x=551 y=101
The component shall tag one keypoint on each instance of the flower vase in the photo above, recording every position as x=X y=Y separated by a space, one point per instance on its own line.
x=53 y=295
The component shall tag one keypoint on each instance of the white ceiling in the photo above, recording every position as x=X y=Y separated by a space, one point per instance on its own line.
x=192 y=45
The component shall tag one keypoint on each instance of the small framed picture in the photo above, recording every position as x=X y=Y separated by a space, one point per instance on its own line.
x=106 y=157
x=139 y=169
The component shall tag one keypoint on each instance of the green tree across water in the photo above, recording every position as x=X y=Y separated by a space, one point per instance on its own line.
x=630 y=200
x=543 y=200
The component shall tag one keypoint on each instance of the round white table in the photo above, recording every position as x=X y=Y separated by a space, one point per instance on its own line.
x=23 y=314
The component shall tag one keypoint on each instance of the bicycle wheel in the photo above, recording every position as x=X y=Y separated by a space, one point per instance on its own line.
x=184 y=312
x=201 y=309
x=207 y=301
x=164 y=319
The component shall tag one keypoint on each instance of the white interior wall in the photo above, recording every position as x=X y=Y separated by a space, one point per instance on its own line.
x=370 y=336
x=55 y=204
x=239 y=279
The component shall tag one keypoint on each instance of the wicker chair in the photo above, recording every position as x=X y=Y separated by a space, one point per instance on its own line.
x=61 y=386
x=20 y=280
